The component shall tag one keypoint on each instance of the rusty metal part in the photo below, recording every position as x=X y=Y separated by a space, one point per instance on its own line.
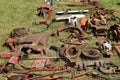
x=67 y=52
x=36 y=38
x=92 y=53
x=106 y=53
x=52 y=76
x=73 y=51
x=12 y=43
x=55 y=73
x=72 y=41
x=43 y=10
x=6 y=54
x=41 y=63
x=116 y=29
x=61 y=52
x=117 y=48
x=17 y=32
x=81 y=34
x=84 y=64
x=110 y=70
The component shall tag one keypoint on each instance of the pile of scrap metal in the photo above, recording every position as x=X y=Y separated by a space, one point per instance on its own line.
x=72 y=48
x=99 y=19
x=22 y=47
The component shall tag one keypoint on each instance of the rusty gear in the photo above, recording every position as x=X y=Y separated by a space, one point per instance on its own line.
x=92 y=53
x=73 y=51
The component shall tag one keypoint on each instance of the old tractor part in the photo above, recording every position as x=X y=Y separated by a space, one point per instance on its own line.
x=36 y=38
x=61 y=52
x=105 y=47
x=99 y=31
x=83 y=65
x=48 y=18
x=41 y=63
x=110 y=70
x=97 y=27
x=17 y=32
x=92 y=53
x=73 y=51
x=28 y=48
x=52 y=74
x=12 y=43
x=81 y=33
x=117 y=48
x=30 y=76
x=71 y=12
x=6 y=54
x=116 y=29
x=67 y=52
x=69 y=17
x=83 y=23
x=43 y=9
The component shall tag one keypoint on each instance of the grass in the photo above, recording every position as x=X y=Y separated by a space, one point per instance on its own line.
x=20 y=13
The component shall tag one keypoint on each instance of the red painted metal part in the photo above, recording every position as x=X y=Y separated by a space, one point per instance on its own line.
x=50 y=13
x=47 y=6
x=6 y=54
x=41 y=63
x=13 y=60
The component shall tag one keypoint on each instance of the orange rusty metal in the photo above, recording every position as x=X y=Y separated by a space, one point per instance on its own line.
x=83 y=23
x=117 y=48
x=6 y=54
x=36 y=38
x=41 y=63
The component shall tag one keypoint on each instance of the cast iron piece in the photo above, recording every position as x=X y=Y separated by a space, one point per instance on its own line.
x=73 y=51
x=92 y=53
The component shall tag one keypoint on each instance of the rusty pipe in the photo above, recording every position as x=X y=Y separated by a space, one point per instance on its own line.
x=79 y=29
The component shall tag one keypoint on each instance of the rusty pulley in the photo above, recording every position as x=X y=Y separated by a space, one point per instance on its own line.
x=73 y=51
x=92 y=53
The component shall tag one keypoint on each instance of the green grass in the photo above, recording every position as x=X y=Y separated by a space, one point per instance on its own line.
x=20 y=13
